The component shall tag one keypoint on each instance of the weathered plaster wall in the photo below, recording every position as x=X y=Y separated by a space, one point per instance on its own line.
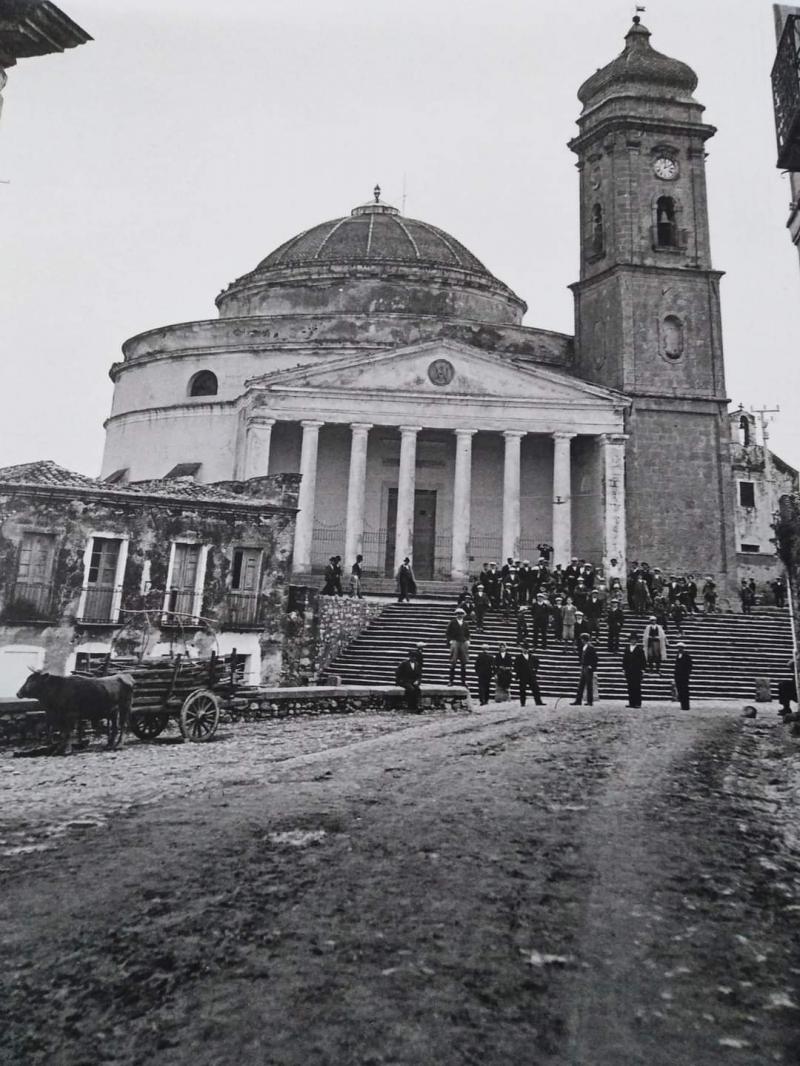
x=150 y=526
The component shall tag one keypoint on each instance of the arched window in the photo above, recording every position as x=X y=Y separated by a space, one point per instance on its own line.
x=666 y=223
x=672 y=337
x=597 y=234
x=203 y=383
x=744 y=431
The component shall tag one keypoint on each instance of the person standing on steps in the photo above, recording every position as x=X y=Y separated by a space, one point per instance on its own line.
x=634 y=664
x=484 y=671
x=355 y=578
x=683 y=672
x=481 y=605
x=504 y=674
x=407 y=676
x=588 y=668
x=526 y=667
x=458 y=640
x=569 y=616
x=615 y=621
x=406 y=585
x=655 y=642
x=541 y=620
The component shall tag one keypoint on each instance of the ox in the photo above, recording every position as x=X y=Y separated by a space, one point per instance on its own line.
x=66 y=700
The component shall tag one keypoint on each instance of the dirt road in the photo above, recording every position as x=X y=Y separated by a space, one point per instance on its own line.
x=593 y=887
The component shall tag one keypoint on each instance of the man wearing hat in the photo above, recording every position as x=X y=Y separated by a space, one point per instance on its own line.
x=484 y=671
x=634 y=664
x=615 y=620
x=541 y=619
x=407 y=676
x=458 y=640
x=588 y=667
x=655 y=642
x=480 y=605
x=526 y=667
x=683 y=671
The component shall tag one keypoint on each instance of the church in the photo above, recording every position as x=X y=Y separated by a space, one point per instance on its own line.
x=378 y=357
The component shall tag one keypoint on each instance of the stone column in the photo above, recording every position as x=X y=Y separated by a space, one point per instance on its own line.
x=462 y=505
x=562 y=498
x=511 y=470
x=406 y=483
x=356 y=487
x=257 y=442
x=613 y=446
x=304 y=529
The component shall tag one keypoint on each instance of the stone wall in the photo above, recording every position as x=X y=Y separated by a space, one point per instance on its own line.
x=318 y=628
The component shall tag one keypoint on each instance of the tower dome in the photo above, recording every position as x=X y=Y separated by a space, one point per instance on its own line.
x=373 y=260
x=639 y=70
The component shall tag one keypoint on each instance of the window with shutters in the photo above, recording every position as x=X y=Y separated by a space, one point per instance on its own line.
x=104 y=564
x=32 y=593
x=244 y=607
x=185 y=583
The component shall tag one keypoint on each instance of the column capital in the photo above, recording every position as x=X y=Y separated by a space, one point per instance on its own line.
x=465 y=432
x=311 y=424
x=255 y=419
x=509 y=434
x=408 y=430
x=361 y=427
x=613 y=438
x=563 y=434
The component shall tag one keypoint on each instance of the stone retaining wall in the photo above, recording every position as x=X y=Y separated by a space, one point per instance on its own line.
x=318 y=628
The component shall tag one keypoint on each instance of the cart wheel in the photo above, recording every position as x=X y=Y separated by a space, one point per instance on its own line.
x=148 y=726
x=199 y=715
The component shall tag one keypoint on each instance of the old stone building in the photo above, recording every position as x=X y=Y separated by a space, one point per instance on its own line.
x=147 y=568
x=760 y=479
x=378 y=357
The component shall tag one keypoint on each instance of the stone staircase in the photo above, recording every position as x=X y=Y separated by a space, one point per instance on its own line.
x=729 y=651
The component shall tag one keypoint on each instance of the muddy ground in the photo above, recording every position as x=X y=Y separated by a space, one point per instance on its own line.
x=598 y=887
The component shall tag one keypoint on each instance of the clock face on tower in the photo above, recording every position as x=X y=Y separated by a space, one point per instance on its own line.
x=666 y=168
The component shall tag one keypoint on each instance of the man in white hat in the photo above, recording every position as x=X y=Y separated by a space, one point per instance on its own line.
x=458 y=640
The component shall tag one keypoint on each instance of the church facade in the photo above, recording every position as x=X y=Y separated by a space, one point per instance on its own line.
x=378 y=357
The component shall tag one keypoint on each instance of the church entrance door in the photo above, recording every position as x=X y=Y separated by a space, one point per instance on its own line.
x=424 y=532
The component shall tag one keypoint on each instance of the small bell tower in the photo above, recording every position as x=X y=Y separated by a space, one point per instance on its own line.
x=647 y=318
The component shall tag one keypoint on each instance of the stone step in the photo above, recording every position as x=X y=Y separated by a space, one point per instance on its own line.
x=729 y=651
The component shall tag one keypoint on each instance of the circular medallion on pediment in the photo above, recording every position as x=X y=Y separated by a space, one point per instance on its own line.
x=441 y=372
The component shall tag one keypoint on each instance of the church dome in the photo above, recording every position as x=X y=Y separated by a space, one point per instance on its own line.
x=371 y=261
x=639 y=69
x=372 y=233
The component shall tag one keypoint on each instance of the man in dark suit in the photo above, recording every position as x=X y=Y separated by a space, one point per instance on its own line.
x=683 y=671
x=541 y=619
x=592 y=612
x=504 y=674
x=458 y=641
x=480 y=605
x=407 y=676
x=526 y=667
x=491 y=580
x=634 y=664
x=588 y=667
x=616 y=620
x=484 y=671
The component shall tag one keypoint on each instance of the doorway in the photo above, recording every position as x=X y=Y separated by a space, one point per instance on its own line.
x=424 y=535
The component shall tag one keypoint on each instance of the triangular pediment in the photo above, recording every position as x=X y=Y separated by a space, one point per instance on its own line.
x=439 y=370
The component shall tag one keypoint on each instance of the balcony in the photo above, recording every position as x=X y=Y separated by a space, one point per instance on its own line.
x=243 y=610
x=100 y=604
x=180 y=608
x=786 y=95
x=30 y=601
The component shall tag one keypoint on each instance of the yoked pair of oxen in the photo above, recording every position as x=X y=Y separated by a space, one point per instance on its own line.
x=67 y=700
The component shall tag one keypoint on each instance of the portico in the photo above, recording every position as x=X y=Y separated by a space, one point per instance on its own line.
x=459 y=458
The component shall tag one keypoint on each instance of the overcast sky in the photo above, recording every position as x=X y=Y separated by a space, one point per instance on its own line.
x=152 y=166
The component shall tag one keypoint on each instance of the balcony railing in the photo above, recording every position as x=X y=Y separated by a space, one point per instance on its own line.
x=180 y=608
x=242 y=609
x=786 y=95
x=30 y=601
x=100 y=603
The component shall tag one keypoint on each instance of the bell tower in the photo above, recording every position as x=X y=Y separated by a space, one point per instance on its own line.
x=647 y=316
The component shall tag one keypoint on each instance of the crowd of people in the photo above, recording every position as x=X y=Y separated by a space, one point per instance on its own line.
x=642 y=653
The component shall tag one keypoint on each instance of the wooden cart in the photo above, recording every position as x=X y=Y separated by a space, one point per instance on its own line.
x=195 y=692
